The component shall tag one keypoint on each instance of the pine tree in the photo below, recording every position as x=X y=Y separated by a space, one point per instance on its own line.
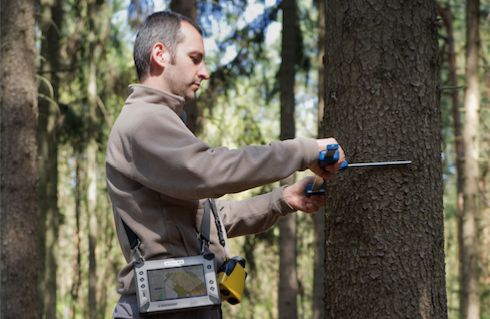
x=18 y=149
x=384 y=225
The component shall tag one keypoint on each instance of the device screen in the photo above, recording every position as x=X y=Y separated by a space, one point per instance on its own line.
x=176 y=283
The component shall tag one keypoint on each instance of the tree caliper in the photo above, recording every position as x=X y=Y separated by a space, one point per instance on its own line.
x=330 y=156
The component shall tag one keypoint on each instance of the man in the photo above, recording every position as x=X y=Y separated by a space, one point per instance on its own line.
x=159 y=174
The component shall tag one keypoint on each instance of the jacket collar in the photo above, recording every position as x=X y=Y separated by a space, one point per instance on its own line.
x=151 y=95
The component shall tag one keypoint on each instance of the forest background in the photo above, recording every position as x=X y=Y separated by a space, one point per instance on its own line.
x=84 y=65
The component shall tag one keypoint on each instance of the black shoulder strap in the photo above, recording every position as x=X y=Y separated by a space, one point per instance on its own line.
x=209 y=205
x=205 y=224
x=183 y=116
x=133 y=239
x=217 y=220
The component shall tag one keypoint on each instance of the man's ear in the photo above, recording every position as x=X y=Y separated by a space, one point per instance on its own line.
x=160 y=55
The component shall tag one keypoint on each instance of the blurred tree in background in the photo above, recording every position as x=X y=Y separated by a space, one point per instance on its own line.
x=84 y=65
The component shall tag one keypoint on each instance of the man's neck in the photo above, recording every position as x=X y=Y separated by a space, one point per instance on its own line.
x=154 y=82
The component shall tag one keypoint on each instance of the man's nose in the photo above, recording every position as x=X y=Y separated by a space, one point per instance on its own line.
x=203 y=72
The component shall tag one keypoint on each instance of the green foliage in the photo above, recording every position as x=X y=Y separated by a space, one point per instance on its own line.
x=114 y=72
x=137 y=11
x=248 y=42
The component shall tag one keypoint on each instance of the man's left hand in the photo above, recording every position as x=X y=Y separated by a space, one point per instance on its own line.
x=295 y=195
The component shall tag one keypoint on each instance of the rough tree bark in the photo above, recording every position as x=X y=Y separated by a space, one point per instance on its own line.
x=18 y=162
x=48 y=217
x=384 y=225
x=319 y=218
x=470 y=298
x=288 y=280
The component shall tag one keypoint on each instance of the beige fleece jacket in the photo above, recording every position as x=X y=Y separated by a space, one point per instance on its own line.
x=159 y=174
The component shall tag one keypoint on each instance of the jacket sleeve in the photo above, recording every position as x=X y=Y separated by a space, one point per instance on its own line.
x=253 y=215
x=169 y=159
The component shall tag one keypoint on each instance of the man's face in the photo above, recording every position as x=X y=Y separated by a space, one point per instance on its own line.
x=183 y=77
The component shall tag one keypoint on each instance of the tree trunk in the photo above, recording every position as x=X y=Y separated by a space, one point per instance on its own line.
x=384 y=225
x=319 y=218
x=18 y=149
x=77 y=276
x=458 y=135
x=288 y=279
x=485 y=227
x=91 y=162
x=188 y=8
x=48 y=217
x=321 y=5
x=470 y=298
x=485 y=242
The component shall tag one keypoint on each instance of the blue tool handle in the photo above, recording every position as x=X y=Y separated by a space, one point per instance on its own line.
x=344 y=166
x=310 y=192
x=330 y=156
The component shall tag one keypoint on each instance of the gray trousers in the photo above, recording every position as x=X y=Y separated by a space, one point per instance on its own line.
x=127 y=308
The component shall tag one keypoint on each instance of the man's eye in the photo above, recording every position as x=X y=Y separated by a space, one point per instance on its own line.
x=195 y=60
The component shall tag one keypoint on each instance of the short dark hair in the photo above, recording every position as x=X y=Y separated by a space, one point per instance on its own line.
x=160 y=27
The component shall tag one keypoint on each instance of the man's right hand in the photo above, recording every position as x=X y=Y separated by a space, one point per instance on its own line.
x=329 y=168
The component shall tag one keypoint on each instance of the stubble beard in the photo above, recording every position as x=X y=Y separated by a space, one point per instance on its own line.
x=189 y=98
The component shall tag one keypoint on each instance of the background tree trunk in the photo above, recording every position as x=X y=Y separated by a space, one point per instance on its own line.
x=470 y=298
x=458 y=135
x=188 y=8
x=49 y=112
x=18 y=149
x=319 y=218
x=288 y=279
x=77 y=276
x=384 y=225
x=485 y=231
x=91 y=161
